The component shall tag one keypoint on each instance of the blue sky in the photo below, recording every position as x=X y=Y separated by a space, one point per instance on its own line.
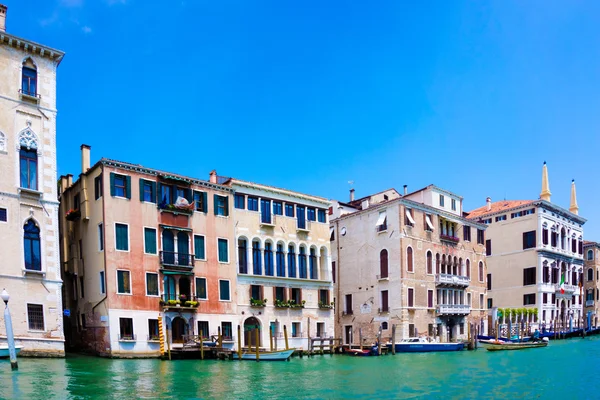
x=471 y=96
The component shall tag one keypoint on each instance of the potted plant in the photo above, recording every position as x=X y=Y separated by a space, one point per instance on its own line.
x=325 y=305
x=73 y=214
x=258 y=302
x=281 y=303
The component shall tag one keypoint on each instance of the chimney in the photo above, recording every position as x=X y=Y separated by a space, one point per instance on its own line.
x=351 y=194
x=69 y=180
x=85 y=158
x=488 y=201
x=63 y=184
x=213 y=176
x=574 y=208
x=405 y=190
x=545 y=194
x=3 y=10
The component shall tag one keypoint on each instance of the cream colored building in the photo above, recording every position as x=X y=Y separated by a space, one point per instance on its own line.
x=284 y=266
x=591 y=272
x=408 y=260
x=530 y=245
x=29 y=266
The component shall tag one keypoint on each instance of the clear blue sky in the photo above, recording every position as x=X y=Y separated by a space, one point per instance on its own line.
x=310 y=95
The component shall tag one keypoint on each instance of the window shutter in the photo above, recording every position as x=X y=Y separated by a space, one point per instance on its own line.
x=227 y=206
x=158 y=190
x=300 y=291
x=251 y=291
x=262 y=292
x=154 y=194
x=524 y=240
x=112 y=184
x=128 y=188
x=215 y=200
x=173 y=198
x=204 y=202
x=274 y=294
x=188 y=195
x=141 y=189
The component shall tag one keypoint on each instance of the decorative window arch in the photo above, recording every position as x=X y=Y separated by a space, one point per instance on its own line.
x=243 y=255
x=590 y=255
x=468 y=266
x=409 y=260
x=429 y=263
x=590 y=274
x=29 y=78
x=480 y=271
x=383 y=264
x=32 y=246
x=437 y=263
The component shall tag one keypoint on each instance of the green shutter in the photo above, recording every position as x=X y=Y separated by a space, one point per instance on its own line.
x=226 y=206
x=204 y=202
x=122 y=240
x=128 y=188
x=223 y=256
x=199 y=249
x=112 y=184
x=121 y=285
x=142 y=189
x=187 y=193
x=150 y=240
x=158 y=190
x=215 y=203
x=153 y=186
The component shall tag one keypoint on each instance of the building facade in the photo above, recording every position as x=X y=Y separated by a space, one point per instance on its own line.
x=532 y=246
x=591 y=271
x=408 y=260
x=284 y=264
x=29 y=268
x=139 y=244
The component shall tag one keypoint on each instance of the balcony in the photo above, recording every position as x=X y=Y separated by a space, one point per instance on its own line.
x=178 y=261
x=303 y=226
x=589 y=303
x=73 y=215
x=453 y=309
x=569 y=289
x=449 y=239
x=268 y=220
x=451 y=280
x=184 y=303
x=127 y=338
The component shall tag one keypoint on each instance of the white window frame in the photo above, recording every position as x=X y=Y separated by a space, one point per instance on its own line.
x=102 y=275
x=229 y=283
x=316 y=326
x=453 y=204
x=291 y=329
x=117 y=283
x=100 y=232
x=205 y=287
x=125 y=194
x=470 y=299
x=5 y=222
x=128 y=237
x=146 y=283
x=132 y=329
x=195 y=252
x=226 y=197
x=43 y=315
x=155 y=236
x=228 y=258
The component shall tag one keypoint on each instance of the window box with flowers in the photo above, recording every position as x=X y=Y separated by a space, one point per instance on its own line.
x=73 y=215
x=325 y=305
x=448 y=238
x=293 y=304
x=281 y=304
x=258 y=302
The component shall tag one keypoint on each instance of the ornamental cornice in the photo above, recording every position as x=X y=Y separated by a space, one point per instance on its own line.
x=32 y=47
x=562 y=257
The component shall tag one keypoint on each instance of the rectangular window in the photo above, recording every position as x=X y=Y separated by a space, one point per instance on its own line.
x=481 y=305
x=223 y=251
x=239 y=201
x=203 y=329
x=384 y=301
x=296 y=295
x=501 y=218
x=529 y=276
x=469 y=300
x=529 y=299
x=348 y=304
x=120 y=185
x=480 y=236
x=83 y=323
x=224 y=290
x=296 y=329
x=35 y=317
x=430 y=298
x=151 y=284
x=199 y=247
x=545 y=236
x=321 y=216
x=201 y=289
x=29 y=81
x=76 y=202
x=411 y=296
x=256 y=292
x=441 y=200
x=289 y=210
x=573 y=246
x=123 y=282
x=280 y=293
x=554 y=238
x=28 y=168
x=545 y=298
x=3 y=215
x=122 y=236
x=310 y=214
x=408 y=217
x=200 y=201
x=98 y=187
x=252 y=203
x=221 y=205
x=100 y=237
x=126 y=329
x=82 y=287
x=489 y=281
x=102 y=283
x=324 y=297
x=149 y=240
x=227 y=330
x=147 y=191
x=277 y=208
x=488 y=247
x=453 y=204
x=466 y=233
x=528 y=240
x=490 y=303
x=153 y=333
x=333 y=271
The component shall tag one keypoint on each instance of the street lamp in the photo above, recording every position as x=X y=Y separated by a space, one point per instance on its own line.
x=10 y=338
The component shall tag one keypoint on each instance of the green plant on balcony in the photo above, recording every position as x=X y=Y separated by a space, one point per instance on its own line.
x=258 y=302
x=174 y=208
x=191 y=303
x=293 y=304
x=325 y=305
x=173 y=302
x=281 y=303
x=73 y=215
x=161 y=302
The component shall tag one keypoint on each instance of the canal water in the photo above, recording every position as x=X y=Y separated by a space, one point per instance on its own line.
x=564 y=370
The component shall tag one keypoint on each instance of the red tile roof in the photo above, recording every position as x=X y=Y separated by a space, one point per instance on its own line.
x=496 y=207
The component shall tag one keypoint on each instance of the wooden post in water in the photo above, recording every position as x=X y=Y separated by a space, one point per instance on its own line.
x=201 y=347
x=287 y=346
x=309 y=341
x=239 y=343
x=220 y=337
x=271 y=338
x=497 y=328
x=360 y=337
x=394 y=339
x=168 y=344
x=379 y=341
x=257 y=337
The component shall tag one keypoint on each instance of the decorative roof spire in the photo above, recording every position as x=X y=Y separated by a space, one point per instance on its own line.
x=574 y=208
x=545 y=195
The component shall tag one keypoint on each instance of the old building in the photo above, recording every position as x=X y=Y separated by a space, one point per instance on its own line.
x=284 y=266
x=532 y=246
x=591 y=271
x=29 y=266
x=408 y=260
x=138 y=243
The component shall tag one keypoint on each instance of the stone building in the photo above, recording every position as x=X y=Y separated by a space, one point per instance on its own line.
x=139 y=243
x=284 y=264
x=591 y=272
x=411 y=260
x=29 y=266
x=532 y=245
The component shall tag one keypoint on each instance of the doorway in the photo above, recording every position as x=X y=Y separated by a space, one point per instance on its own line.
x=178 y=329
x=250 y=326
x=348 y=334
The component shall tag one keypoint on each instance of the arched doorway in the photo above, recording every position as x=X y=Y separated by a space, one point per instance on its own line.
x=250 y=326
x=563 y=307
x=178 y=329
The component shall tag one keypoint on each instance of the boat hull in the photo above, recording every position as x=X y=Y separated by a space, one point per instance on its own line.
x=515 y=346
x=266 y=355
x=427 y=347
x=4 y=353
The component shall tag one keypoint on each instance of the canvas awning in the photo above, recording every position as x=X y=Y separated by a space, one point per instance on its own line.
x=381 y=219
x=409 y=216
x=176 y=228
x=429 y=223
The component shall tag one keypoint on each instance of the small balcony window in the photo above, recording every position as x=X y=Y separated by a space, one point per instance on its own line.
x=29 y=80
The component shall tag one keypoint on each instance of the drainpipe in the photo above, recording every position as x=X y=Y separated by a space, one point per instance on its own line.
x=338 y=283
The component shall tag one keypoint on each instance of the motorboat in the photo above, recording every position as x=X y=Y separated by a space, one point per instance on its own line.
x=517 y=346
x=422 y=345
x=278 y=355
x=4 y=352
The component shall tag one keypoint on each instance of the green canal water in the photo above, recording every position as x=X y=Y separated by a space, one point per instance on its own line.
x=567 y=369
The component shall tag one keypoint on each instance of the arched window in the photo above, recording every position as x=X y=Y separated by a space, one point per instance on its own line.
x=468 y=266
x=590 y=255
x=280 y=257
x=590 y=276
x=29 y=78
x=269 y=259
x=28 y=160
x=243 y=256
x=443 y=263
x=302 y=263
x=312 y=261
x=563 y=239
x=383 y=264
x=455 y=266
x=409 y=259
x=31 y=241
x=480 y=271
x=291 y=261
x=429 y=263
x=460 y=267
x=256 y=260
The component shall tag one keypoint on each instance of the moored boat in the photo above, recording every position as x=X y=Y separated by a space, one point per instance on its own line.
x=358 y=353
x=516 y=346
x=488 y=342
x=4 y=353
x=421 y=345
x=280 y=355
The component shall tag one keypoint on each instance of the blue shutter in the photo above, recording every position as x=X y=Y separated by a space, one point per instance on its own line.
x=215 y=203
x=226 y=198
x=199 y=247
x=128 y=188
x=141 y=189
x=112 y=184
x=150 y=240
x=204 y=202
x=153 y=185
